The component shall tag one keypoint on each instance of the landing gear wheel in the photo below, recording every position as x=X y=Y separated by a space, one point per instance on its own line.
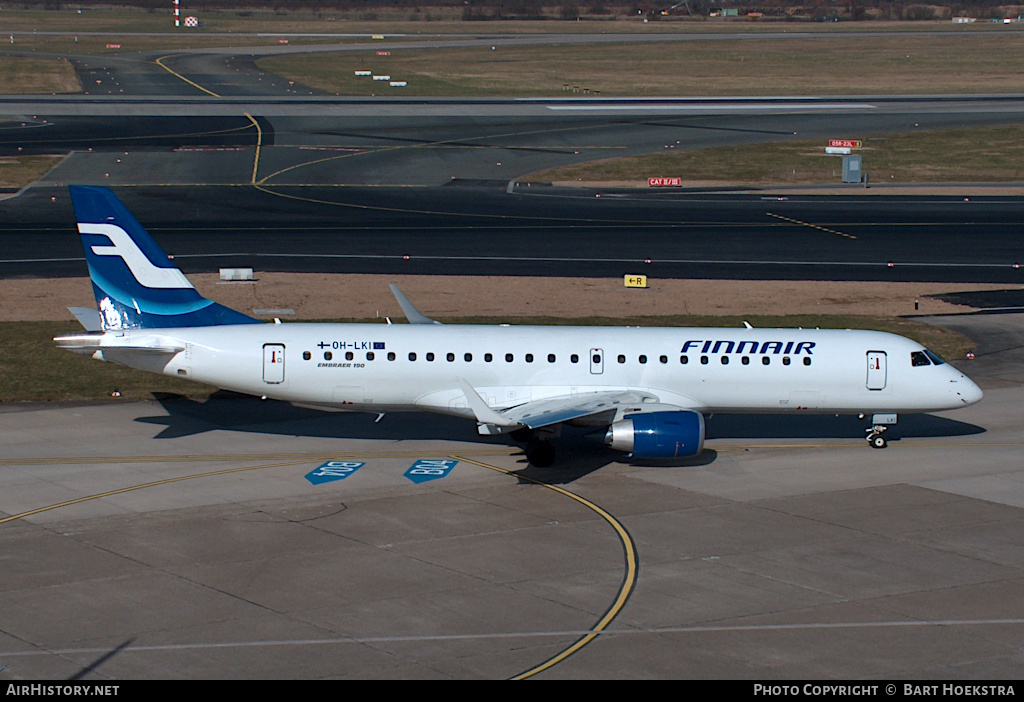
x=877 y=441
x=521 y=435
x=540 y=453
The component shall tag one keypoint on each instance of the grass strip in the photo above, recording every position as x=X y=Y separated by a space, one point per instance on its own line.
x=965 y=63
x=37 y=76
x=969 y=154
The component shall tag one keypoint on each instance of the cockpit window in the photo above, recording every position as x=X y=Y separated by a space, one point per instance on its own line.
x=936 y=359
x=918 y=358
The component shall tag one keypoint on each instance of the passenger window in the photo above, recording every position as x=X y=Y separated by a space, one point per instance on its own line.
x=643 y=359
x=918 y=358
x=451 y=357
x=529 y=358
x=745 y=360
x=663 y=359
x=328 y=355
x=391 y=355
x=765 y=360
x=725 y=360
x=508 y=358
x=488 y=357
x=551 y=358
x=369 y=355
x=430 y=356
x=468 y=357
x=785 y=360
x=306 y=355
x=574 y=358
x=349 y=355
x=412 y=355
x=684 y=360
x=622 y=359
x=807 y=360
x=704 y=360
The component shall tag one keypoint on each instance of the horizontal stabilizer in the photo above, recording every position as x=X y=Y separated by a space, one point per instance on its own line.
x=88 y=317
x=93 y=341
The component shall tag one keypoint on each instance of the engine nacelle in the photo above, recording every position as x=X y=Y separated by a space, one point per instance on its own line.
x=658 y=434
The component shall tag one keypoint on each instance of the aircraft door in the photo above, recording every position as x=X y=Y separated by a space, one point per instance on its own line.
x=596 y=361
x=273 y=363
x=876 y=370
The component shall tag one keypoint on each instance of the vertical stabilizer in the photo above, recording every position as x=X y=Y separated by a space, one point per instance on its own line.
x=135 y=283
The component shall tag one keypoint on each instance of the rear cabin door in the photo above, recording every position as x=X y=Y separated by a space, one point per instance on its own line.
x=876 y=370
x=273 y=363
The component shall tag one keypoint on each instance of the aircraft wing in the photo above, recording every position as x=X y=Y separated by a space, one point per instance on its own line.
x=554 y=410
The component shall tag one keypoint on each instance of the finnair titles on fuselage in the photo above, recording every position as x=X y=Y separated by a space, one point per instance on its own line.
x=649 y=388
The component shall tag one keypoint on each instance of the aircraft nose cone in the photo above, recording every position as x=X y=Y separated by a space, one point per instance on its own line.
x=968 y=391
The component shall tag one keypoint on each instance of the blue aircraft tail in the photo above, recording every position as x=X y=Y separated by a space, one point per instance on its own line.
x=136 y=285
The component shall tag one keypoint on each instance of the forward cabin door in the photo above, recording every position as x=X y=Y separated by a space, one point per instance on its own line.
x=876 y=370
x=273 y=363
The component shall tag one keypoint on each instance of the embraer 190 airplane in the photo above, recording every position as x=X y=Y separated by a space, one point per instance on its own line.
x=648 y=388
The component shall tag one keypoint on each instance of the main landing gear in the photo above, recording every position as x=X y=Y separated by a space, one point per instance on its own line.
x=880 y=423
x=540 y=451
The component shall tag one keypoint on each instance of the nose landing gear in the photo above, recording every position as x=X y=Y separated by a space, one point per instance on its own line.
x=876 y=439
x=880 y=423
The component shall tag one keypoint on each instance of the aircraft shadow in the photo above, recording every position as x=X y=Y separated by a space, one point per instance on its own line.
x=578 y=454
x=580 y=451
x=777 y=426
x=233 y=412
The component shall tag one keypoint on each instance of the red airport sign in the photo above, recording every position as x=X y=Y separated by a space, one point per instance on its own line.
x=845 y=143
x=658 y=182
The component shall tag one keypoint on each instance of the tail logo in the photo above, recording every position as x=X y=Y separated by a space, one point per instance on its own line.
x=147 y=274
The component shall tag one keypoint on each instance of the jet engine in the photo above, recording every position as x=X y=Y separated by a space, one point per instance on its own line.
x=677 y=434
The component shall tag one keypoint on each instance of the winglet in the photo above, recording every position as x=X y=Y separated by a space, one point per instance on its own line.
x=411 y=313
x=484 y=414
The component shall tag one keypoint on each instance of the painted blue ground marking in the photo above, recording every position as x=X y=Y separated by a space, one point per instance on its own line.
x=333 y=470
x=429 y=469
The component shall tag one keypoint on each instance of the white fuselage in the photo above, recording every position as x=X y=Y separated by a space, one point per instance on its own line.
x=421 y=366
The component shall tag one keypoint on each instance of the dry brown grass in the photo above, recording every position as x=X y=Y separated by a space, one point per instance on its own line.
x=33 y=76
x=976 y=154
x=962 y=63
x=17 y=172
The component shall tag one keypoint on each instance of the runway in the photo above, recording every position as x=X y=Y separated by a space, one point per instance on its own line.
x=358 y=185
x=481 y=229
x=260 y=176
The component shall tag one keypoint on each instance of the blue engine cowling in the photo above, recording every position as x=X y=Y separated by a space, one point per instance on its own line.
x=658 y=434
